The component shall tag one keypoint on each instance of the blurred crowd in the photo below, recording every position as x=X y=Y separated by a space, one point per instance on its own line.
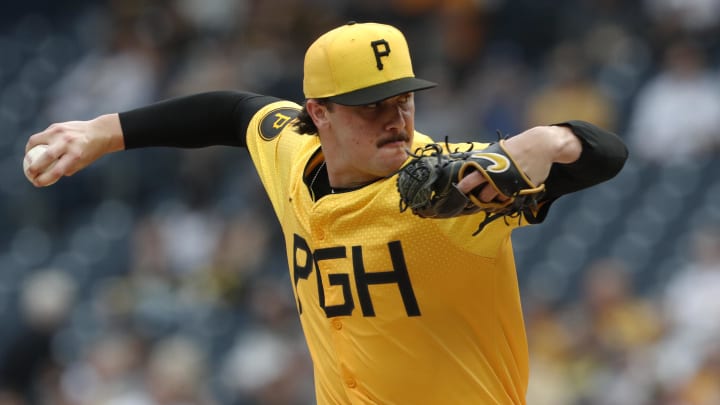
x=159 y=277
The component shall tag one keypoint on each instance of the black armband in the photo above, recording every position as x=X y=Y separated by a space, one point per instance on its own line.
x=205 y=119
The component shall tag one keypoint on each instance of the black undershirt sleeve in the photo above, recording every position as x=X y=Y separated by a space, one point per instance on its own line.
x=603 y=156
x=195 y=121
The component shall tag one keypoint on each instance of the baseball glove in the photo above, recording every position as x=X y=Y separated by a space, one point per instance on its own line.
x=428 y=184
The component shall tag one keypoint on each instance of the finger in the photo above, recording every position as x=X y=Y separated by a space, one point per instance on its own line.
x=47 y=167
x=34 y=140
x=43 y=162
x=487 y=194
x=471 y=181
x=43 y=137
x=53 y=172
x=46 y=179
x=33 y=164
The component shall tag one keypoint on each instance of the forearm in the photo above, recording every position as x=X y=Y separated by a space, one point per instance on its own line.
x=217 y=118
x=603 y=155
x=595 y=156
x=213 y=118
x=566 y=157
x=535 y=150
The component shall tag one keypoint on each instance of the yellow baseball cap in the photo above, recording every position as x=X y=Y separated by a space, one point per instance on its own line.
x=358 y=64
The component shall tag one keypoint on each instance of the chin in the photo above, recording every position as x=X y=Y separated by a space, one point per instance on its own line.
x=396 y=161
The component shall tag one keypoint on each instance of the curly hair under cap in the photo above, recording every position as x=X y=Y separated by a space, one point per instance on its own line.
x=304 y=123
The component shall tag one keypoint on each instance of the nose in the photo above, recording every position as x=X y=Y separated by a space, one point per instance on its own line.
x=396 y=119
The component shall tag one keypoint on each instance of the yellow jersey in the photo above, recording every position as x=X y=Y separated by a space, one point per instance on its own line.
x=396 y=309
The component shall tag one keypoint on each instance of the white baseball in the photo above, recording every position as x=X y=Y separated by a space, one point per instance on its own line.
x=31 y=156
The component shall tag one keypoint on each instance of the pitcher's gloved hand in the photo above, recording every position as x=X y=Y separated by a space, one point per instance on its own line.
x=428 y=184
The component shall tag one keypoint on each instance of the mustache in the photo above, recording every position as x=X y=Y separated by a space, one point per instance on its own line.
x=399 y=137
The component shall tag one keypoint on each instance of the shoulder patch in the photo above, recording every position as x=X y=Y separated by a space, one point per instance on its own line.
x=275 y=120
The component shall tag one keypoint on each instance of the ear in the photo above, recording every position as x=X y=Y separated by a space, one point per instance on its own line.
x=318 y=112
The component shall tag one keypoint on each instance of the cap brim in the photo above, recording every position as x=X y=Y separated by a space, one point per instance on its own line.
x=380 y=92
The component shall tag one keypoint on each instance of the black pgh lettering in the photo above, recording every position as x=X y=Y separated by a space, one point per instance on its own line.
x=335 y=279
x=301 y=270
x=363 y=280
x=398 y=274
x=380 y=53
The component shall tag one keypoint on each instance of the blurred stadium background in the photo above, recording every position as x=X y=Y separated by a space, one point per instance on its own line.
x=158 y=277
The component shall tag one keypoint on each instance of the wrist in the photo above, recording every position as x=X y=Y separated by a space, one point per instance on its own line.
x=108 y=126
